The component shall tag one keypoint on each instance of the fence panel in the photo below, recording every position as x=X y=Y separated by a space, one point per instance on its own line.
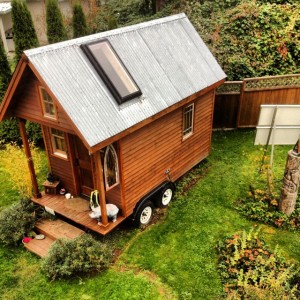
x=227 y=105
x=238 y=103
x=266 y=90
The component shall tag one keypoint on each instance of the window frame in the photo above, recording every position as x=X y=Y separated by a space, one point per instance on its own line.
x=105 y=77
x=55 y=150
x=188 y=130
x=43 y=101
x=117 y=169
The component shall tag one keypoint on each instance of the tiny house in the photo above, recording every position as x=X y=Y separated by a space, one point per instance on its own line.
x=124 y=112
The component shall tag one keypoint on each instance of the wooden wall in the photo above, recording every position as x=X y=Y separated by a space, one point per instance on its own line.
x=26 y=104
x=60 y=167
x=147 y=153
x=238 y=103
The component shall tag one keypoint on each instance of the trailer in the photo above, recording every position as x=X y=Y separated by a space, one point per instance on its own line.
x=124 y=113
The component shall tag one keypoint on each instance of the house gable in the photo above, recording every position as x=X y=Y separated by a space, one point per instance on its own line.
x=25 y=103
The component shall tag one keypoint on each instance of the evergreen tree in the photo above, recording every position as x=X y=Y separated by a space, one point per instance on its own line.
x=79 y=22
x=24 y=33
x=5 y=72
x=56 y=32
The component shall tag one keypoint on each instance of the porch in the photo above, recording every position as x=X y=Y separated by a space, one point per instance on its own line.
x=76 y=210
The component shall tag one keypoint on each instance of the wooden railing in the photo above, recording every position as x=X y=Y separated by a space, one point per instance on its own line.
x=238 y=103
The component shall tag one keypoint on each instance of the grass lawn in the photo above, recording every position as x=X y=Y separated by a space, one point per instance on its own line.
x=174 y=258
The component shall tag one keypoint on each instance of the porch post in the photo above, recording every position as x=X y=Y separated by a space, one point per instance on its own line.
x=24 y=137
x=99 y=185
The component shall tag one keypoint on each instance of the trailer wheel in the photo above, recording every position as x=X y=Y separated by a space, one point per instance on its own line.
x=165 y=196
x=144 y=214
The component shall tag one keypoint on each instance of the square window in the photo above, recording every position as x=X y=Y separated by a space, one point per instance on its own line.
x=58 y=142
x=188 y=121
x=47 y=104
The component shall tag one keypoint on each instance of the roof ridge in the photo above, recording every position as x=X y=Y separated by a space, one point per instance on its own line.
x=104 y=34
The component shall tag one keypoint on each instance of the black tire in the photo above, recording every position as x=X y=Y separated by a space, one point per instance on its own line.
x=165 y=196
x=144 y=214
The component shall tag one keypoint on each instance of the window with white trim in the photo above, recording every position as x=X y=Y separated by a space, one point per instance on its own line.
x=188 y=120
x=47 y=104
x=58 y=142
x=111 y=167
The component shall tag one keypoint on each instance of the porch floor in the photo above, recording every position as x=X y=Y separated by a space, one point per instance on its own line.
x=76 y=210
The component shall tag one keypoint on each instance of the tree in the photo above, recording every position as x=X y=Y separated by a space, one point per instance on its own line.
x=79 y=22
x=56 y=32
x=5 y=72
x=24 y=33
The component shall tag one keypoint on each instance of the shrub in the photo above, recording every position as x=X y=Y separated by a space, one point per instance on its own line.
x=250 y=270
x=81 y=255
x=34 y=132
x=14 y=161
x=9 y=131
x=262 y=206
x=16 y=221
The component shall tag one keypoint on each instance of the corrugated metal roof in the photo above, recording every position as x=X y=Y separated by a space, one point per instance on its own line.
x=5 y=7
x=166 y=57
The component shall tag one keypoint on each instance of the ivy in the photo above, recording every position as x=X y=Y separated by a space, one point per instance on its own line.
x=250 y=38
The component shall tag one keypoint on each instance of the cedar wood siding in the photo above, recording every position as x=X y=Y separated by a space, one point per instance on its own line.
x=27 y=106
x=60 y=167
x=147 y=153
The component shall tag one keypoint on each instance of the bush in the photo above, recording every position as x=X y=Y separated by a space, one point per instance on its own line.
x=9 y=132
x=81 y=255
x=251 y=271
x=16 y=221
x=262 y=206
x=14 y=161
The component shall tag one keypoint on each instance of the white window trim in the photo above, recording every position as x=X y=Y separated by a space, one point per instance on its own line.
x=115 y=155
x=190 y=129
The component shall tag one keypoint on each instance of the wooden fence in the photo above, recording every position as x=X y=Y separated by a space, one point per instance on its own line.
x=238 y=103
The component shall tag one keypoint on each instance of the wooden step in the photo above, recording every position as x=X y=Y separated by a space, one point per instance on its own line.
x=52 y=230
x=39 y=247
x=57 y=229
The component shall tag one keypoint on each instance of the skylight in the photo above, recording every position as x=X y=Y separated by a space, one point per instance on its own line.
x=111 y=69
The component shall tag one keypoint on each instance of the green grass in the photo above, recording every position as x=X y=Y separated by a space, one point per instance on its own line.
x=174 y=258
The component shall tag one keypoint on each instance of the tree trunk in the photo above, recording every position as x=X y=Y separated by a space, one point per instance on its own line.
x=290 y=186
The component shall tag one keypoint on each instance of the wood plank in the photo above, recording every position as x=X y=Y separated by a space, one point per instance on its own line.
x=39 y=247
x=56 y=229
x=76 y=210
x=159 y=146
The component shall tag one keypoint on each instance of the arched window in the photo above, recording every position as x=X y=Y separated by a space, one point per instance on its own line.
x=111 y=167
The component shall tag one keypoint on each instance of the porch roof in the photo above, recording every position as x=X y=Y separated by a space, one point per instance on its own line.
x=166 y=57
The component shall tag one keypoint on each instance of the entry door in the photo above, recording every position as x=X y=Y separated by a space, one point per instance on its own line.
x=84 y=166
